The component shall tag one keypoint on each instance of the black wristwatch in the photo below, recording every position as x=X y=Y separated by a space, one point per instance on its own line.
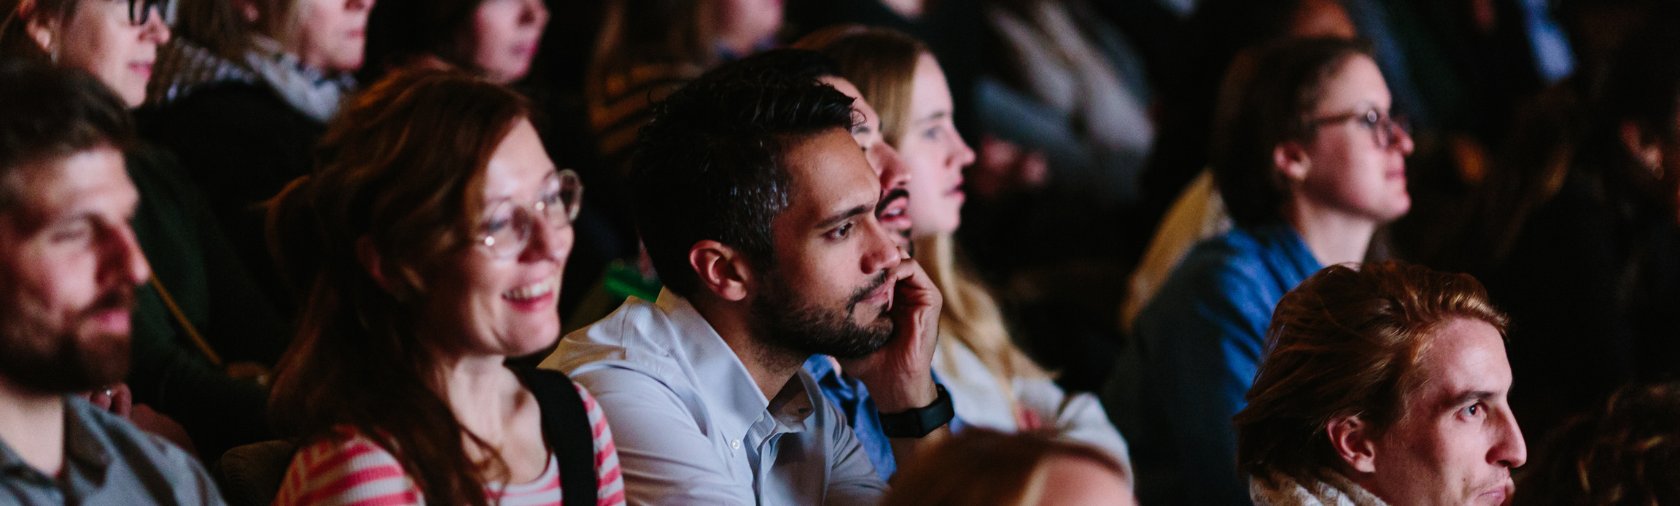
x=920 y=422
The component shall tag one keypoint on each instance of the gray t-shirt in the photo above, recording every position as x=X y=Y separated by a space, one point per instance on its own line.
x=107 y=461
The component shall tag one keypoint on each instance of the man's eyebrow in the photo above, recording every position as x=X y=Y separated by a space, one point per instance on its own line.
x=937 y=115
x=836 y=218
x=1473 y=395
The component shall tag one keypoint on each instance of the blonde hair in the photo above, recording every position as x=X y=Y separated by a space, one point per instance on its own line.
x=881 y=62
x=971 y=316
x=989 y=468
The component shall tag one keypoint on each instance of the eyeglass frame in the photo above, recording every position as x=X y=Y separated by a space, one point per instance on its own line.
x=144 y=14
x=1392 y=126
x=533 y=211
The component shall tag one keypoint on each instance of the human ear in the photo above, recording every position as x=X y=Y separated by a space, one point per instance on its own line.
x=1290 y=160
x=1351 y=439
x=44 y=31
x=722 y=269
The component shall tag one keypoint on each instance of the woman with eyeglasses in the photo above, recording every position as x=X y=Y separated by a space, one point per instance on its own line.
x=440 y=227
x=1310 y=163
x=115 y=40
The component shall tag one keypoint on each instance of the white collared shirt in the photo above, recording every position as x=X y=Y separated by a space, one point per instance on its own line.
x=691 y=425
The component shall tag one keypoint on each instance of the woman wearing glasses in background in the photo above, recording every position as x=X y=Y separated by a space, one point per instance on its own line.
x=440 y=228
x=1310 y=163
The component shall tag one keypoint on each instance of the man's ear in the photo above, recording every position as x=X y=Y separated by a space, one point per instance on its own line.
x=1353 y=440
x=1643 y=147
x=1290 y=160
x=722 y=269
x=41 y=28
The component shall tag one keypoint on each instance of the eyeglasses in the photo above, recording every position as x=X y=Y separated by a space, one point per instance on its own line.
x=140 y=11
x=1385 y=129
x=508 y=227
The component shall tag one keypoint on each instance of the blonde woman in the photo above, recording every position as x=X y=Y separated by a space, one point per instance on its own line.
x=992 y=383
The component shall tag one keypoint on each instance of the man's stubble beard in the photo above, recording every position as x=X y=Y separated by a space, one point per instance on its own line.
x=787 y=321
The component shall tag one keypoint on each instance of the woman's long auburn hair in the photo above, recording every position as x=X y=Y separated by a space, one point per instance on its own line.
x=399 y=177
x=882 y=63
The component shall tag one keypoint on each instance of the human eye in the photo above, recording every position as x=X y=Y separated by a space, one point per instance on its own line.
x=74 y=231
x=1475 y=410
x=499 y=219
x=841 y=232
x=1371 y=119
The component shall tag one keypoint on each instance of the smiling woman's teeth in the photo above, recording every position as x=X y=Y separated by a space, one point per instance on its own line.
x=532 y=291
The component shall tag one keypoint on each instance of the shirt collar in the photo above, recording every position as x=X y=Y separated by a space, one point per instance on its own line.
x=725 y=384
x=85 y=457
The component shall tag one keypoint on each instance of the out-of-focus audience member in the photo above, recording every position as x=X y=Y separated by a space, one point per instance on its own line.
x=496 y=39
x=69 y=265
x=981 y=467
x=757 y=207
x=993 y=384
x=201 y=312
x=1084 y=85
x=1385 y=384
x=1216 y=32
x=440 y=228
x=1593 y=271
x=1195 y=211
x=1309 y=163
x=242 y=94
x=1626 y=452
x=647 y=49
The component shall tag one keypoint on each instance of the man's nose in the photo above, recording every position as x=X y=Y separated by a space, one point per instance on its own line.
x=123 y=257
x=882 y=253
x=1510 y=450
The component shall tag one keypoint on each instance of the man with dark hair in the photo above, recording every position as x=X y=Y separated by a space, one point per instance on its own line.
x=758 y=211
x=1383 y=385
x=69 y=265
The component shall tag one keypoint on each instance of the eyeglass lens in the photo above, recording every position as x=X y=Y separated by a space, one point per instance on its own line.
x=140 y=11
x=508 y=228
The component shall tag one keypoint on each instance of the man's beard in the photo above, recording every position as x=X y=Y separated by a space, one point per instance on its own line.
x=44 y=359
x=787 y=321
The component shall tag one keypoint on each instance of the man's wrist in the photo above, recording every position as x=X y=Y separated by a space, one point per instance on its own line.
x=920 y=421
x=904 y=398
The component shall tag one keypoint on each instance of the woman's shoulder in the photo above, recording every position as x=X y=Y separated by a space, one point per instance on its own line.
x=347 y=467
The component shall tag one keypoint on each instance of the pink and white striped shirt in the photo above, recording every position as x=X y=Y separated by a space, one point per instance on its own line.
x=352 y=470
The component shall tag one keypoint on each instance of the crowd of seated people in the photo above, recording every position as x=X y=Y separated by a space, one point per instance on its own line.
x=851 y=252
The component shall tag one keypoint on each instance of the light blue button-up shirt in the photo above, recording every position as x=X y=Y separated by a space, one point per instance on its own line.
x=691 y=425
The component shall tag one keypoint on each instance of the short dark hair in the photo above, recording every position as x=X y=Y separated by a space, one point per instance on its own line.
x=54 y=112
x=1265 y=100
x=1346 y=341
x=709 y=165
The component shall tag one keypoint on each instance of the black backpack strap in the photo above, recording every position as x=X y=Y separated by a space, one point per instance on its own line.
x=567 y=430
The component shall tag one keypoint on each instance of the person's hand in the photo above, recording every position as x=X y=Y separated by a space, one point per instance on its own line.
x=115 y=398
x=900 y=375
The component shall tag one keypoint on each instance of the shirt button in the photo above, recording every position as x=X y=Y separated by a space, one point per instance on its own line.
x=735 y=444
